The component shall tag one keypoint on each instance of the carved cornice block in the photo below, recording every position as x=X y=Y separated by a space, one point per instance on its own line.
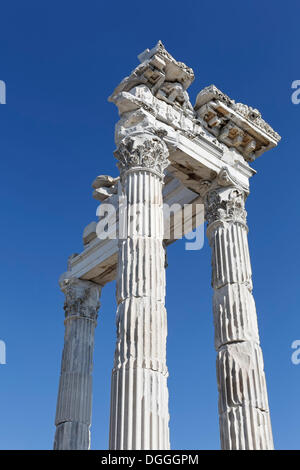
x=235 y=124
x=104 y=187
x=167 y=78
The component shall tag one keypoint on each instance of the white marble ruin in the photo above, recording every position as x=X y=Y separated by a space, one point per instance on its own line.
x=167 y=151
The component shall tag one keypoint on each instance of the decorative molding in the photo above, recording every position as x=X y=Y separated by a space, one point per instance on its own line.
x=163 y=75
x=225 y=178
x=211 y=92
x=235 y=124
x=225 y=199
x=142 y=151
x=225 y=206
x=82 y=297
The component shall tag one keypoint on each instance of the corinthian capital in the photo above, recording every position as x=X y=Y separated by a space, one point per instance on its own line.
x=225 y=200
x=142 y=151
x=81 y=297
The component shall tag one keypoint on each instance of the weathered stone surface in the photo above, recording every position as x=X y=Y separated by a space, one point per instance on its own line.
x=105 y=186
x=139 y=395
x=89 y=233
x=235 y=124
x=74 y=403
x=243 y=401
x=163 y=75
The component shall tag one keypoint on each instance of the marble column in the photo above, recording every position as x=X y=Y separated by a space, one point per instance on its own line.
x=139 y=395
x=74 y=403
x=243 y=401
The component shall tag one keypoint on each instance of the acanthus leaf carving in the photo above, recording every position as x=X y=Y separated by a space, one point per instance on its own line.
x=146 y=151
x=81 y=297
x=225 y=200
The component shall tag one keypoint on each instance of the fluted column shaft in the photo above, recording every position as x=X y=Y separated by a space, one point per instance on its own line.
x=243 y=401
x=74 y=403
x=139 y=394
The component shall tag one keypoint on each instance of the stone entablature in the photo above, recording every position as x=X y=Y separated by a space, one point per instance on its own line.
x=158 y=85
x=165 y=77
x=235 y=124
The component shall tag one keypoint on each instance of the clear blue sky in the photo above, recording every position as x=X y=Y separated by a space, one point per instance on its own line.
x=60 y=61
